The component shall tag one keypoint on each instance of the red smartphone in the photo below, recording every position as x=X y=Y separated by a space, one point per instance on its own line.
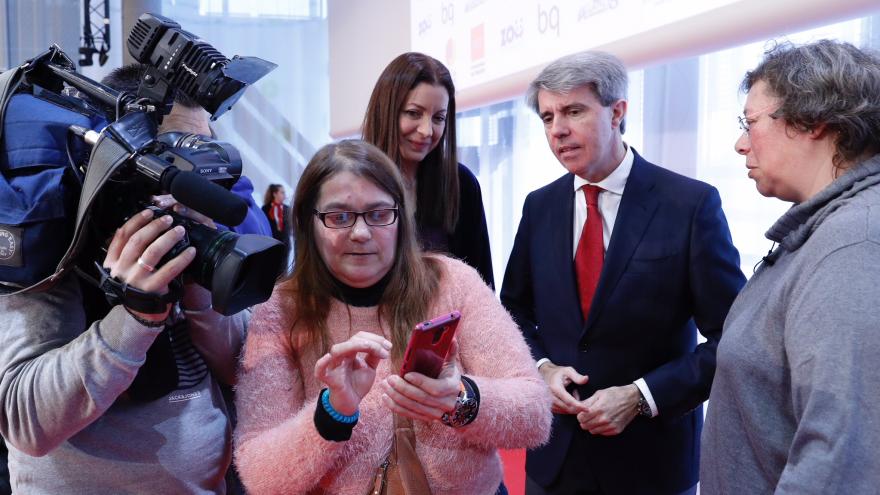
x=429 y=345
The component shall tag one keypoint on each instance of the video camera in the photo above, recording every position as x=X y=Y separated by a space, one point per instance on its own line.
x=129 y=162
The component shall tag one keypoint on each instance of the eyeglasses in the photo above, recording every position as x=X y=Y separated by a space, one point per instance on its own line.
x=346 y=219
x=746 y=121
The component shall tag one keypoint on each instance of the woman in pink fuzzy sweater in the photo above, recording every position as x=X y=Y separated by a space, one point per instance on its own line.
x=318 y=384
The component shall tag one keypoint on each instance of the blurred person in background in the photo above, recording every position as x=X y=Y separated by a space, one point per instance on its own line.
x=277 y=213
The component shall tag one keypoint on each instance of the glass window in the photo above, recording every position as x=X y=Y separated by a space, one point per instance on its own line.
x=264 y=8
x=681 y=115
x=749 y=214
x=280 y=121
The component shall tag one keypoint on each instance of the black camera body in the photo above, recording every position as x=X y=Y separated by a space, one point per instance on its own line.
x=129 y=162
x=235 y=268
x=179 y=59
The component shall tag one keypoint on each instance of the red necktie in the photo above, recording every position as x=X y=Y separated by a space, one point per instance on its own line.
x=590 y=251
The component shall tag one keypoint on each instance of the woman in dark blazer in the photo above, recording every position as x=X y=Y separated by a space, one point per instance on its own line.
x=278 y=213
x=411 y=117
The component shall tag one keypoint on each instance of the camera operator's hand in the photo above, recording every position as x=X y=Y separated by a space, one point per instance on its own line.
x=195 y=297
x=166 y=201
x=136 y=249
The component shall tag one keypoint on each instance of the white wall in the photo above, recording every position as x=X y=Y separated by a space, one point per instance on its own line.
x=364 y=37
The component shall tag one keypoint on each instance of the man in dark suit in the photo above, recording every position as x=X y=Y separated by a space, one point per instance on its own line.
x=614 y=268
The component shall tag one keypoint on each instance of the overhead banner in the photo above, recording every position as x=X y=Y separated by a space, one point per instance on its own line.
x=484 y=40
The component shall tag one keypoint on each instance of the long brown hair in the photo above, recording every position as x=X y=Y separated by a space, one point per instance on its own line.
x=269 y=197
x=413 y=276
x=437 y=193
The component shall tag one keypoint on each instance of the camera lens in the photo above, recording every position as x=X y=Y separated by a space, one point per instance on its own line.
x=239 y=270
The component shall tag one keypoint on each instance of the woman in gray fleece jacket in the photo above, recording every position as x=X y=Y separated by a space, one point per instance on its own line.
x=793 y=407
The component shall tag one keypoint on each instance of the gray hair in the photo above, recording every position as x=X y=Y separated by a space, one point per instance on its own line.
x=827 y=82
x=602 y=72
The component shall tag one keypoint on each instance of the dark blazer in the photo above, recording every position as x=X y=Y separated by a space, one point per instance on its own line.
x=283 y=236
x=670 y=269
x=470 y=240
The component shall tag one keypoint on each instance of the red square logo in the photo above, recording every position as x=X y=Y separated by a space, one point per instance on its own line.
x=478 y=42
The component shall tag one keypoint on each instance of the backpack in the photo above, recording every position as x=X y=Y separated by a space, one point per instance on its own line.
x=39 y=189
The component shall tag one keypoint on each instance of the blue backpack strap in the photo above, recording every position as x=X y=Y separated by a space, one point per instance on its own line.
x=9 y=82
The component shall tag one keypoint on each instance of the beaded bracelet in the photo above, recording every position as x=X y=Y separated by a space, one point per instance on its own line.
x=325 y=401
x=148 y=323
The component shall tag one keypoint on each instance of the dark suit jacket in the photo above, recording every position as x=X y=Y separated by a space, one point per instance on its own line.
x=669 y=269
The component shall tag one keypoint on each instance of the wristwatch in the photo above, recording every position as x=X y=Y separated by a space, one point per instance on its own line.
x=643 y=407
x=465 y=410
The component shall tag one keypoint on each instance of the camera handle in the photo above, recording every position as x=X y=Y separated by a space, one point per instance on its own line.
x=118 y=292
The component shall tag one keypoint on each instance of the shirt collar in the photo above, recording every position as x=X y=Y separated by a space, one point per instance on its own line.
x=616 y=180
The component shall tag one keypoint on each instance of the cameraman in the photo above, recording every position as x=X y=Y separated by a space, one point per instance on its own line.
x=187 y=116
x=129 y=402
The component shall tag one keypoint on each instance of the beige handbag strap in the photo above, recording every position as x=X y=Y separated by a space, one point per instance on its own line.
x=401 y=473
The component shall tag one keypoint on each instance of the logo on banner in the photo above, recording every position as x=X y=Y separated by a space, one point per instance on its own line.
x=450 y=53
x=472 y=4
x=594 y=8
x=424 y=25
x=447 y=13
x=548 y=20
x=478 y=49
x=512 y=32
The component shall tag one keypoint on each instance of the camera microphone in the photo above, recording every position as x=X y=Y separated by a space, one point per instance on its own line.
x=204 y=196
x=193 y=190
x=772 y=255
x=769 y=259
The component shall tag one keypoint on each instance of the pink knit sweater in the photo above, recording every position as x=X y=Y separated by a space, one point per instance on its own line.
x=278 y=449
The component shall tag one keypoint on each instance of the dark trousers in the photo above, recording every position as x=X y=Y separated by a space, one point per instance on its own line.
x=5 y=487
x=533 y=488
x=573 y=479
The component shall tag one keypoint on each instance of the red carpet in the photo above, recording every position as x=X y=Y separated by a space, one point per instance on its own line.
x=514 y=470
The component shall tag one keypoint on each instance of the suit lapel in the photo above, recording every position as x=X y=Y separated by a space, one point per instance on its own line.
x=560 y=237
x=637 y=207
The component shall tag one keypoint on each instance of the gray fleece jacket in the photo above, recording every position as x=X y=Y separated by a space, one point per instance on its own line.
x=68 y=420
x=794 y=405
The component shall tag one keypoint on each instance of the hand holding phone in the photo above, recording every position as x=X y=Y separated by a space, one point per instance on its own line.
x=429 y=345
